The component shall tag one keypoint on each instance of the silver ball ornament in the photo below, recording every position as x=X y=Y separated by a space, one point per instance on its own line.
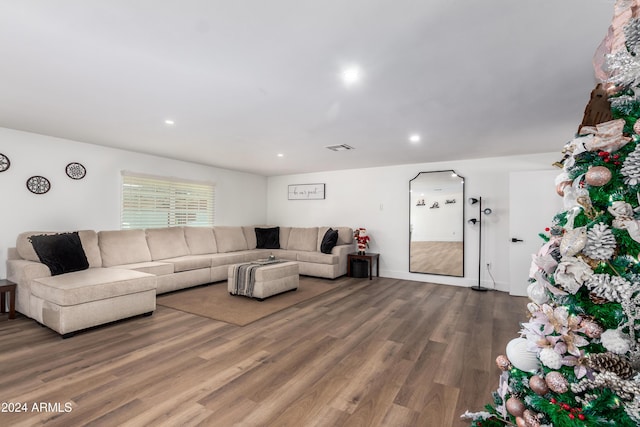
x=537 y=293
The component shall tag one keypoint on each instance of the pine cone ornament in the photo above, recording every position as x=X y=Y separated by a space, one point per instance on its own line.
x=624 y=69
x=616 y=289
x=597 y=300
x=631 y=167
x=632 y=36
x=601 y=243
x=609 y=362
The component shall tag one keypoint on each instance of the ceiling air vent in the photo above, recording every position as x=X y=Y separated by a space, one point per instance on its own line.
x=340 y=147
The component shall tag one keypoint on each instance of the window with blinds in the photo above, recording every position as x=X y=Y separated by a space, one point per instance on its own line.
x=154 y=202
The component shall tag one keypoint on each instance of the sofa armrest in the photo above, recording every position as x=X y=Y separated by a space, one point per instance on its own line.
x=22 y=271
x=342 y=251
x=12 y=253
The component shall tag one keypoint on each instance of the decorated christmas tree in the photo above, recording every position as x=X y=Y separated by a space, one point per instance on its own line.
x=577 y=361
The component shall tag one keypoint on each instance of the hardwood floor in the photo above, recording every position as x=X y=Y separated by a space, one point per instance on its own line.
x=437 y=258
x=384 y=352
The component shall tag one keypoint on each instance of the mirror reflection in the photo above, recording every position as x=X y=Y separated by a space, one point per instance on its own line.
x=436 y=223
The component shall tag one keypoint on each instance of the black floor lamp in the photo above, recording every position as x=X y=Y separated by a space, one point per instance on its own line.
x=478 y=221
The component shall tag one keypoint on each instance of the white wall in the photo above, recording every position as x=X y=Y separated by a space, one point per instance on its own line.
x=94 y=202
x=378 y=199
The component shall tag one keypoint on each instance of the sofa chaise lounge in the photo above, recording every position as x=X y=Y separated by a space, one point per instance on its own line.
x=126 y=269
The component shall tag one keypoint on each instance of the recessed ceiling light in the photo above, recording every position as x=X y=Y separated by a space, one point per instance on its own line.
x=351 y=75
x=280 y=155
x=169 y=122
x=414 y=138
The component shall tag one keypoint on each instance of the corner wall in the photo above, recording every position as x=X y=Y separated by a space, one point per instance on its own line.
x=94 y=202
x=378 y=199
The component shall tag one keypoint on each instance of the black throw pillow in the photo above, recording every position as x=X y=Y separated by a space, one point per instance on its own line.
x=62 y=253
x=268 y=238
x=329 y=240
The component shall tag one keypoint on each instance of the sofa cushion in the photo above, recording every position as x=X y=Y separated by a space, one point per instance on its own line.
x=329 y=240
x=219 y=259
x=250 y=236
x=284 y=236
x=152 y=267
x=303 y=239
x=166 y=242
x=123 y=247
x=345 y=235
x=24 y=246
x=91 y=285
x=279 y=254
x=189 y=262
x=200 y=240
x=267 y=238
x=230 y=239
x=318 y=258
x=62 y=253
x=89 y=239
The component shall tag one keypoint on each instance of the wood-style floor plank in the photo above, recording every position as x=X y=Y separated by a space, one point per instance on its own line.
x=384 y=352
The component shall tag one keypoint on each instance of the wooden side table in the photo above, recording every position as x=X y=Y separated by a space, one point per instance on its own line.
x=7 y=287
x=368 y=256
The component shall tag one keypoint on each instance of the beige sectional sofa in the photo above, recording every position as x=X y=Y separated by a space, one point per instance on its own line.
x=127 y=268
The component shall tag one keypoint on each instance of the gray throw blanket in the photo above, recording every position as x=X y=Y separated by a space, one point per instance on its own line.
x=245 y=275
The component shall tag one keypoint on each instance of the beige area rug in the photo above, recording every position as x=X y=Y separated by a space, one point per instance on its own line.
x=214 y=301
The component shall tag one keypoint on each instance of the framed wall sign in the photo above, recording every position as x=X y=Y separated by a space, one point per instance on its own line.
x=306 y=192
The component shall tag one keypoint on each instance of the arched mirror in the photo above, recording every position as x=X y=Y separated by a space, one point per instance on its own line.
x=436 y=223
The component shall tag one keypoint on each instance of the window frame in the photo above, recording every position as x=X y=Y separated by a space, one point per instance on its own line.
x=152 y=201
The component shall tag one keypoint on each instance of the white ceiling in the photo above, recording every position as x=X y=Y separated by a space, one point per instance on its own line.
x=245 y=80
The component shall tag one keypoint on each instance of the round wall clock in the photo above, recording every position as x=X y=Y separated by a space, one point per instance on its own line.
x=38 y=184
x=75 y=171
x=4 y=163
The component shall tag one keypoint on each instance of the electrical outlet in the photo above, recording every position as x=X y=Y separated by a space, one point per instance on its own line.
x=488 y=266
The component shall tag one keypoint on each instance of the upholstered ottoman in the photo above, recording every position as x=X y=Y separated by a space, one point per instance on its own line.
x=73 y=301
x=261 y=280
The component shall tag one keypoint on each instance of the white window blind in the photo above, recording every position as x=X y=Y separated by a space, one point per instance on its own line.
x=153 y=202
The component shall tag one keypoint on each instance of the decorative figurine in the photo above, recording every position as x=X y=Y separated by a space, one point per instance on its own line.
x=360 y=234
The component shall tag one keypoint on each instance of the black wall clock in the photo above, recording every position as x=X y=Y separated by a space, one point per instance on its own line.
x=4 y=163
x=75 y=171
x=38 y=184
